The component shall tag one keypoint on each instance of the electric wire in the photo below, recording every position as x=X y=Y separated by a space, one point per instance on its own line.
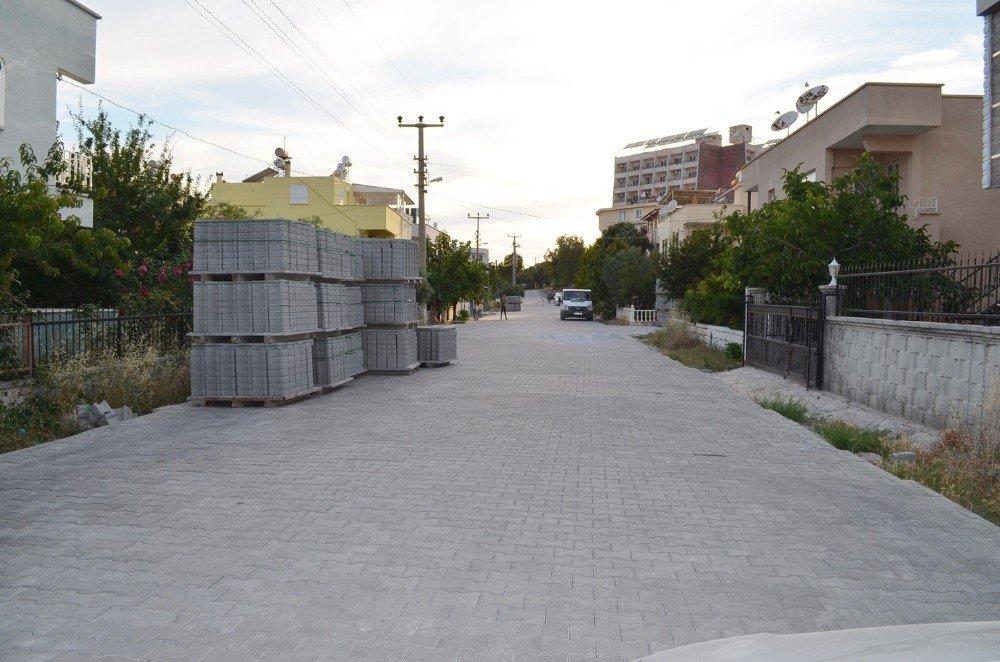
x=379 y=46
x=250 y=50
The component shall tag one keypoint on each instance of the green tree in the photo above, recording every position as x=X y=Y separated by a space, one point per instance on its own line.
x=565 y=260
x=786 y=244
x=630 y=277
x=452 y=274
x=36 y=237
x=686 y=263
x=592 y=274
x=134 y=191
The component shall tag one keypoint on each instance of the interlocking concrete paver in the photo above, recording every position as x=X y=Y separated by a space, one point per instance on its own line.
x=561 y=492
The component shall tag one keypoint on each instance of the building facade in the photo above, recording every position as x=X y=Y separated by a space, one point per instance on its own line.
x=352 y=209
x=41 y=40
x=990 y=11
x=933 y=141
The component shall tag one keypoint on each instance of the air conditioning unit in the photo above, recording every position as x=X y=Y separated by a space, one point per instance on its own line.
x=926 y=206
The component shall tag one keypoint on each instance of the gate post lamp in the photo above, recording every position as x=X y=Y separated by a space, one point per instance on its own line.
x=834 y=269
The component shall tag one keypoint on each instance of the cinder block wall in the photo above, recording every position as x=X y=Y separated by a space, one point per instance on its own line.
x=935 y=374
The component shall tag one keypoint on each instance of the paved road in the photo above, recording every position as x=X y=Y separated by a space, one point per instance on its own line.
x=563 y=492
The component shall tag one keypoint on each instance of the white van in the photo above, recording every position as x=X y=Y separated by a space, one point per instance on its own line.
x=577 y=303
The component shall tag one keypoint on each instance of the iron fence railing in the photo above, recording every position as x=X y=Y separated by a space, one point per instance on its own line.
x=965 y=290
x=35 y=338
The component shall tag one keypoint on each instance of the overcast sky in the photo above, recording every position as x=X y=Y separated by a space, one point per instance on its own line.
x=538 y=95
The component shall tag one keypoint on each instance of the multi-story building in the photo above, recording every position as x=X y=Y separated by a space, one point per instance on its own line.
x=990 y=11
x=353 y=209
x=932 y=140
x=41 y=40
x=646 y=172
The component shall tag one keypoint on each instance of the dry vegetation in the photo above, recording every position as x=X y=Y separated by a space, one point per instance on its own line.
x=676 y=341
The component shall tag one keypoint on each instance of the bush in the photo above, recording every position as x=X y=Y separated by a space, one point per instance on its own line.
x=512 y=290
x=734 y=352
x=464 y=315
x=854 y=439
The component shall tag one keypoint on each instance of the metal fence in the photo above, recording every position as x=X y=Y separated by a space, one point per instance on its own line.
x=34 y=338
x=966 y=290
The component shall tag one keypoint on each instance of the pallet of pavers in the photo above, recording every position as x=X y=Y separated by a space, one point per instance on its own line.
x=252 y=373
x=340 y=307
x=270 y=246
x=437 y=345
x=390 y=259
x=272 y=308
x=390 y=303
x=390 y=351
x=514 y=303
x=339 y=256
x=337 y=360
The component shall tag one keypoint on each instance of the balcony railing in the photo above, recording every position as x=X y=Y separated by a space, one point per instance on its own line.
x=79 y=170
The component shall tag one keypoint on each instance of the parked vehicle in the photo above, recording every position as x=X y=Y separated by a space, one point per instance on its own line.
x=558 y=298
x=577 y=303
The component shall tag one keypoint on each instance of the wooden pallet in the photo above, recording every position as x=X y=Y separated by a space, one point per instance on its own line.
x=226 y=339
x=251 y=401
x=215 y=276
x=435 y=364
x=409 y=370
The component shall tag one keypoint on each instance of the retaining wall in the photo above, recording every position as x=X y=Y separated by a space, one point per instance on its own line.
x=932 y=373
x=717 y=336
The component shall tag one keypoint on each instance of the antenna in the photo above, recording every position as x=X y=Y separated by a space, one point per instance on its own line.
x=784 y=121
x=811 y=98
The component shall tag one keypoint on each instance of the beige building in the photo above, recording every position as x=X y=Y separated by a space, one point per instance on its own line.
x=624 y=214
x=934 y=141
x=681 y=221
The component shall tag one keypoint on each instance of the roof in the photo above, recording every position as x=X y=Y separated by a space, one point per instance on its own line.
x=369 y=191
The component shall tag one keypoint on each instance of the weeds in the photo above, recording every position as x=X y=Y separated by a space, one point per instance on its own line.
x=790 y=408
x=676 y=341
x=142 y=379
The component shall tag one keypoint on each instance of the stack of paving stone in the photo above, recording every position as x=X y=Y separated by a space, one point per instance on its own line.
x=513 y=304
x=437 y=345
x=389 y=339
x=337 y=353
x=255 y=310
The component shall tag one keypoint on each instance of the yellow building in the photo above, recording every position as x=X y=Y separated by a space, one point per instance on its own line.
x=352 y=209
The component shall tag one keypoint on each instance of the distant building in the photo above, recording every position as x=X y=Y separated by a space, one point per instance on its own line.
x=39 y=41
x=933 y=140
x=353 y=209
x=481 y=255
x=647 y=172
x=990 y=11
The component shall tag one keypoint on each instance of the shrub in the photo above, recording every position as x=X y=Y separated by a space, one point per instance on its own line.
x=850 y=438
x=464 y=315
x=734 y=351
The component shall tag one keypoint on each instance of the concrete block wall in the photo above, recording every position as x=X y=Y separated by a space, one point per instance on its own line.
x=935 y=374
x=717 y=336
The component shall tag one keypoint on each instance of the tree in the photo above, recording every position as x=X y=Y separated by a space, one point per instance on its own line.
x=36 y=237
x=786 y=244
x=511 y=258
x=630 y=278
x=592 y=274
x=686 y=263
x=135 y=194
x=565 y=260
x=452 y=274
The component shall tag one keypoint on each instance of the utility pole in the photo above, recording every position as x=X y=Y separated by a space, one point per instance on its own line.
x=513 y=262
x=421 y=172
x=478 y=218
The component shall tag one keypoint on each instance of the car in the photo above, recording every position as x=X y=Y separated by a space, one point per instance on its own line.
x=557 y=299
x=577 y=304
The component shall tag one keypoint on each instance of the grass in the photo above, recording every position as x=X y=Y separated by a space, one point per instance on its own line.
x=143 y=379
x=676 y=341
x=964 y=465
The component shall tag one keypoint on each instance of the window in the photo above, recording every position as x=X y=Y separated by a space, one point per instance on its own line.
x=692 y=157
x=770 y=195
x=811 y=175
x=892 y=169
x=637 y=214
x=621 y=217
x=298 y=194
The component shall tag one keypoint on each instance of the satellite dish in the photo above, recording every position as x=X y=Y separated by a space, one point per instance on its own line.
x=346 y=161
x=671 y=206
x=812 y=95
x=803 y=108
x=784 y=121
x=280 y=153
x=278 y=165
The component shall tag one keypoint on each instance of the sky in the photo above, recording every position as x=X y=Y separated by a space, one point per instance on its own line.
x=538 y=96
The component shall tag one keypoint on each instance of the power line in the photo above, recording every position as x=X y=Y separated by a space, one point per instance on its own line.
x=375 y=41
x=250 y=50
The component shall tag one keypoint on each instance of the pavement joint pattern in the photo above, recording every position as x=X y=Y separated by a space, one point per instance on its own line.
x=562 y=492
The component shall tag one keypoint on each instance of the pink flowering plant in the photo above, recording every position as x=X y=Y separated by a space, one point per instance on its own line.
x=155 y=287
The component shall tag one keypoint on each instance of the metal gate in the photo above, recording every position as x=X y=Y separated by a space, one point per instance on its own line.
x=786 y=339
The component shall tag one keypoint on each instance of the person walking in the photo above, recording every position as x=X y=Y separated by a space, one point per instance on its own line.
x=503 y=307
x=474 y=310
